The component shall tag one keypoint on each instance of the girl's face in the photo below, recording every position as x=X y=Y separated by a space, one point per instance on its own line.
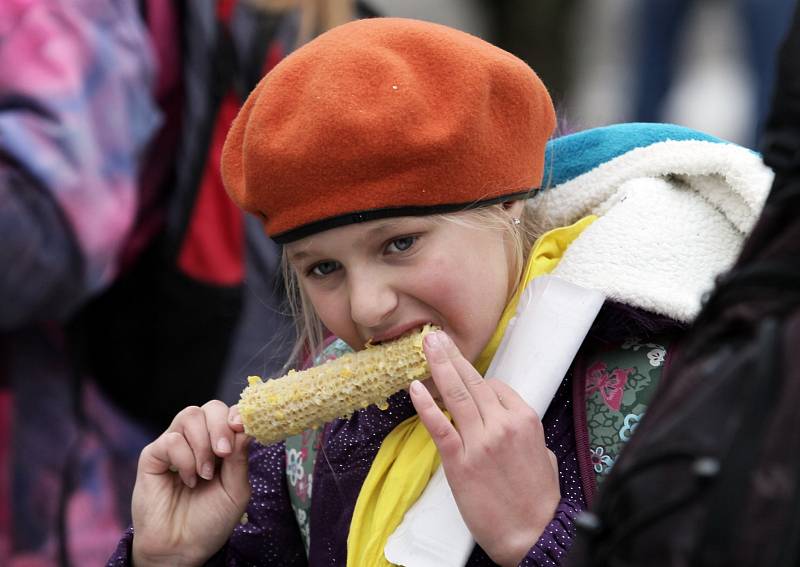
x=378 y=279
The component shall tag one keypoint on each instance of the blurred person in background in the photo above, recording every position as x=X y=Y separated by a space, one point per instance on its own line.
x=111 y=120
x=718 y=439
x=77 y=111
x=660 y=30
x=539 y=33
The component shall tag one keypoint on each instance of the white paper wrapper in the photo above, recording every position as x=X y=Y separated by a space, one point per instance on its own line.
x=540 y=342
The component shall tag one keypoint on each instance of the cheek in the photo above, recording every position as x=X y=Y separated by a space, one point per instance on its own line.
x=332 y=310
x=442 y=285
x=463 y=296
x=474 y=290
x=471 y=281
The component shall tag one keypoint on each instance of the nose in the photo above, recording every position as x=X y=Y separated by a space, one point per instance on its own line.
x=373 y=299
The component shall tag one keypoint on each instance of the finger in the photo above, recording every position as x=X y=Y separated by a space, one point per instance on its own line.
x=170 y=452
x=235 y=419
x=508 y=396
x=517 y=407
x=219 y=430
x=233 y=473
x=455 y=394
x=191 y=422
x=483 y=396
x=430 y=385
x=444 y=435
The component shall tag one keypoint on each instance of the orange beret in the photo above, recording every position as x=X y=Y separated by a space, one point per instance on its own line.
x=386 y=117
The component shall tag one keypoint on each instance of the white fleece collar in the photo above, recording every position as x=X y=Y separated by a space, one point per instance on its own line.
x=673 y=215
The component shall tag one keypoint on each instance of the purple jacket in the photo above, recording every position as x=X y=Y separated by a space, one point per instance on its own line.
x=271 y=536
x=613 y=376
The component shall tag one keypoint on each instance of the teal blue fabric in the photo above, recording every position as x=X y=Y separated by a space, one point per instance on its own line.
x=572 y=155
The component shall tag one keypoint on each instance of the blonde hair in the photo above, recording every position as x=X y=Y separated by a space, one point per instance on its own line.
x=310 y=332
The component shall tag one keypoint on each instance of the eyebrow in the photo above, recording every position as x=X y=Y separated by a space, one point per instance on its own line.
x=293 y=257
x=387 y=226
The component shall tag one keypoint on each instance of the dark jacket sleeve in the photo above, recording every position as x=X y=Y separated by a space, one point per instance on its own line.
x=781 y=138
x=556 y=540
x=780 y=144
x=41 y=266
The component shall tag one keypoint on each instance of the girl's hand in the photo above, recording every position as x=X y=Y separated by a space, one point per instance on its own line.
x=191 y=487
x=503 y=478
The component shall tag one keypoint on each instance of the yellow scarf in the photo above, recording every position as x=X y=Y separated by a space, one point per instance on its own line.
x=408 y=457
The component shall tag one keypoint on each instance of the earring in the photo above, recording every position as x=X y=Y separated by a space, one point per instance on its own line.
x=516 y=221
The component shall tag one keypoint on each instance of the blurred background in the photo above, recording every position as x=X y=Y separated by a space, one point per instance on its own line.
x=705 y=64
x=130 y=287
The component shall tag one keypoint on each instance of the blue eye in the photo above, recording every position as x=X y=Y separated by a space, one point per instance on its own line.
x=324 y=268
x=401 y=244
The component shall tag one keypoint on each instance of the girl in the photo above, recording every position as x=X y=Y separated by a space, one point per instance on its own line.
x=398 y=162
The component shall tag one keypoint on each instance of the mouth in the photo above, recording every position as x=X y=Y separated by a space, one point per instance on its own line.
x=396 y=332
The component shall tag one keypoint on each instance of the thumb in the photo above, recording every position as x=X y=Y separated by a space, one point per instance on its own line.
x=233 y=473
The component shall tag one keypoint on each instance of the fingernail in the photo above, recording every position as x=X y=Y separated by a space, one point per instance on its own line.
x=191 y=482
x=207 y=471
x=223 y=445
x=444 y=339
x=432 y=340
x=236 y=419
x=416 y=387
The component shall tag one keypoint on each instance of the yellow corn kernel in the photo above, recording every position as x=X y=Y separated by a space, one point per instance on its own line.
x=276 y=409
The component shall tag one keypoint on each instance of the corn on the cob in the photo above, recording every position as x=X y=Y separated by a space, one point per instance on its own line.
x=279 y=408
